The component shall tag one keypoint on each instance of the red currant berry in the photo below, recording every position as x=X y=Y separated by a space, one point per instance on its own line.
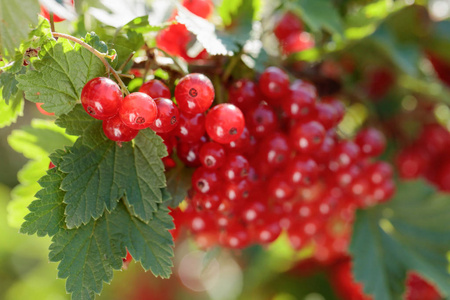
x=297 y=42
x=101 y=98
x=173 y=39
x=274 y=83
x=116 y=131
x=274 y=150
x=307 y=137
x=237 y=191
x=261 y=120
x=188 y=153
x=224 y=123
x=194 y=93
x=205 y=180
x=287 y=25
x=412 y=162
x=138 y=110
x=302 y=170
x=155 y=89
x=435 y=138
x=298 y=102
x=280 y=188
x=191 y=127
x=236 y=236
x=212 y=155
x=167 y=118
x=201 y=8
x=378 y=172
x=236 y=167
x=244 y=94
x=345 y=154
x=371 y=141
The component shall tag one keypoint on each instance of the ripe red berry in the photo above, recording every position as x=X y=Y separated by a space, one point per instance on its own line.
x=173 y=39
x=138 y=110
x=190 y=128
x=236 y=167
x=116 y=131
x=212 y=155
x=287 y=25
x=168 y=116
x=224 y=123
x=298 y=102
x=297 y=42
x=194 y=93
x=274 y=150
x=274 y=83
x=201 y=8
x=244 y=94
x=302 y=170
x=371 y=141
x=101 y=98
x=188 y=153
x=155 y=89
x=205 y=180
x=307 y=137
x=261 y=120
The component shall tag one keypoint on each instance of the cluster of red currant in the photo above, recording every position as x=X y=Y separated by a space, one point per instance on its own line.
x=291 y=36
x=428 y=156
x=176 y=39
x=151 y=107
x=284 y=167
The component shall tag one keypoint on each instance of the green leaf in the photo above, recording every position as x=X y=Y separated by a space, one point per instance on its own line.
x=100 y=171
x=142 y=25
x=178 y=183
x=408 y=233
x=240 y=15
x=16 y=18
x=89 y=254
x=36 y=142
x=215 y=43
x=405 y=55
x=46 y=215
x=10 y=112
x=93 y=40
x=8 y=84
x=60 y=76
x=320 y=14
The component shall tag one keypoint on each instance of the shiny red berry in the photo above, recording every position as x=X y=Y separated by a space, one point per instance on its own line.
x=298 y=102
x=168 y=116
x=201 y=8
x=224 y=123
x=155 y=89
x=205 y=180
x=101 y=98
x=244 y=94
x=371 y=141
x=236 y=167
x=287 y=25
x=274 y=83
x=138 y=110
x=212 y=155
x=194 y=93
x=307 y=137
x=190 y=128
x=116 y=131
x=261 y=120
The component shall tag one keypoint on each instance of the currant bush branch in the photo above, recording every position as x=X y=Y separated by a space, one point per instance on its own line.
x=97 y=53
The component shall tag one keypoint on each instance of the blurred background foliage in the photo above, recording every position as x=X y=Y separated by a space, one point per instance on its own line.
x=388 y=60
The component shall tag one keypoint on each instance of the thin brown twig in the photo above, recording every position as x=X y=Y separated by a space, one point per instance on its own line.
x=100 y=55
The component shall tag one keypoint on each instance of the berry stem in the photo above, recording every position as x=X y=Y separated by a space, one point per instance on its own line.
x=52 y=22
x=182 y=70
x=233 y=61
x=100 y=55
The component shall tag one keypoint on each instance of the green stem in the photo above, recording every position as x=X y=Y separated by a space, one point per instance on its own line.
x=100 y=55
x=233 y=61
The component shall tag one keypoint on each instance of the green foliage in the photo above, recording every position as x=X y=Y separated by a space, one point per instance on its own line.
x=178 y=183
x=16 y=18
x=35 y=142
x=8 y=84
x=89 y=253
x=408 y=233
x=320 y=14
x=60 y=75
x=10 y=112
x=100 y=171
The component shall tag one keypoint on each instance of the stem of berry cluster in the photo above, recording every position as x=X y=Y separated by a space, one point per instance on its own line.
x=97 y=53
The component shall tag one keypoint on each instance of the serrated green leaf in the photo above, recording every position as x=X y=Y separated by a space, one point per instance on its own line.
x=60 y=76
x=92 y=39
x=320 y=14
x=10 y=112
x=46 y=215
x=35 y=142
x=178 y=183
x=142 y=25
x=8 y=84
x=39 y=140
x=100 y=171
x=16 y=18
x=89 y=254
x=408 y=233
x=215 y=43
x=240 y=14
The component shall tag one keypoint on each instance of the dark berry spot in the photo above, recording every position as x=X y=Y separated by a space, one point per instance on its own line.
x=244 y=172
x=200 y=185
x=259 y=120
x=209 y=162
x=279 y=158
x=173 y=120
x=245 y=194
x=140 y=120
x=193 y=92
x=233 y=131
x=90 y=110
x=316 y=139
